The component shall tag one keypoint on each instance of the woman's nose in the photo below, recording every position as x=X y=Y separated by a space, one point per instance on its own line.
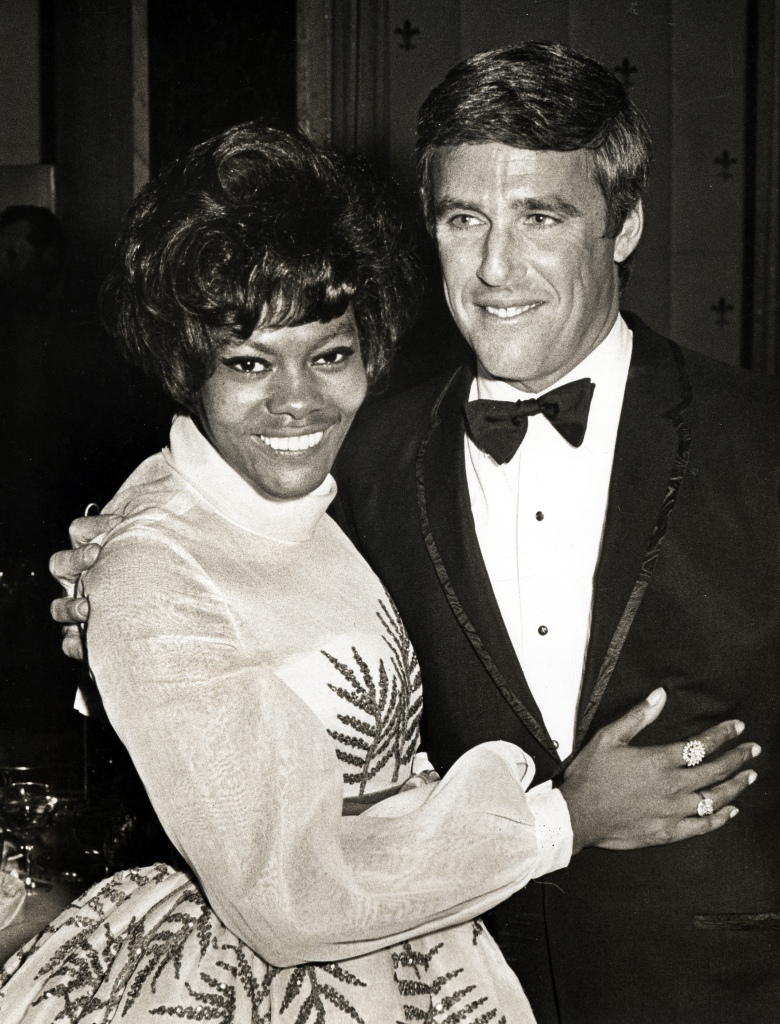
x=295 y=393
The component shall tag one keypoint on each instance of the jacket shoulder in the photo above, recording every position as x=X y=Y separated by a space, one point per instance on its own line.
x=732 y=406
x=388 y=429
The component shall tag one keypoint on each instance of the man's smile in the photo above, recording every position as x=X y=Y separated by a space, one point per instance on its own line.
x=510 y=312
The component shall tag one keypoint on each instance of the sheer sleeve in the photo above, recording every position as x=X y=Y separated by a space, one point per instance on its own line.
x=244 y=779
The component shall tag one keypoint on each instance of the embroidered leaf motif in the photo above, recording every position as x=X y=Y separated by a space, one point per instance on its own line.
x=391 y=700
x=435 y=996
x=314 y=992
x=125 y=968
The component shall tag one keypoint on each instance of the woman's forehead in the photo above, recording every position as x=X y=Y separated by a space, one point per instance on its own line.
x=312 y=334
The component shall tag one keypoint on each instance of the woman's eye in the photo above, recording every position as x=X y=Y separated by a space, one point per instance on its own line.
x=334 y=356
x=245 y=364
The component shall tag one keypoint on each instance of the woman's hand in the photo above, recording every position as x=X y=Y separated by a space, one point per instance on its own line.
x=66 y=567
x=623 y=797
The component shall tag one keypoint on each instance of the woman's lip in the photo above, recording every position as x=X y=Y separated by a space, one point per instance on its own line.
x=293 y=444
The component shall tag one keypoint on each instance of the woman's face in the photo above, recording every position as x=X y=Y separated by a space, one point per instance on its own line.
x=279 y=405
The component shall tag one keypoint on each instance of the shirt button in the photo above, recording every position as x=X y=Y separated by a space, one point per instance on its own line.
x=543 y=631
x=540 y=516
x=556 y=744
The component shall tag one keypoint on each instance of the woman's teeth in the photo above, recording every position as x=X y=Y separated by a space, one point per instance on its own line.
x=298 y=443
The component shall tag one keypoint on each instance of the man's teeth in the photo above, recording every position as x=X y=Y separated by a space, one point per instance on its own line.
x=293 y=444
x=506 y=312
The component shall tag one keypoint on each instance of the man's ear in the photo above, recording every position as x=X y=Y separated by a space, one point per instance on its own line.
x=628 y=237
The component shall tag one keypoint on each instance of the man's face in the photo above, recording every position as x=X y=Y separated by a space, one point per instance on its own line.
x=529 y=276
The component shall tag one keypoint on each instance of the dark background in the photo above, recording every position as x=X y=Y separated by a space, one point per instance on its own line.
x=89 y=419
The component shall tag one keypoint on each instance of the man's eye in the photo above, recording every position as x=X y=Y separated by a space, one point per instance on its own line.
x=542 y=220
x=464 y=220
x=245 y=364
x=334 y=356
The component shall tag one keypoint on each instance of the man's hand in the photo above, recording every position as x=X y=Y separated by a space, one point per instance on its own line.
x=622 y=797
x=66 y=567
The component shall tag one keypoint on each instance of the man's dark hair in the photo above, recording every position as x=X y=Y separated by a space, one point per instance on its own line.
x=540 y=95
x=256 y=227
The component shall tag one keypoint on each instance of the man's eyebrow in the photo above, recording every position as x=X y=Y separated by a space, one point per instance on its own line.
x=446 y=204
x=552 y=203
x=547 y=204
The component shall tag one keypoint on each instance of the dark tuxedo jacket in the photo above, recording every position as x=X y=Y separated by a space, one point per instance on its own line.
x=687 y=596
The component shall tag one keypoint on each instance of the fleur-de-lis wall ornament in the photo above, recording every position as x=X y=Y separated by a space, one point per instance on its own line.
x=720 y=309
x=725 y=161
x=407 y=32
x=625 y=72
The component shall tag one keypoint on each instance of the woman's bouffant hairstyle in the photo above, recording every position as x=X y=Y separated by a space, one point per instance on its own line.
x=256 y=227
x=540 y=95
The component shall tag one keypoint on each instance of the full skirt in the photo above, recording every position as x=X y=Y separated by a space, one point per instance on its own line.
x=144 y=946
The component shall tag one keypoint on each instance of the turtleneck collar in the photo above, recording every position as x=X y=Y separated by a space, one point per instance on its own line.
x=201 y=465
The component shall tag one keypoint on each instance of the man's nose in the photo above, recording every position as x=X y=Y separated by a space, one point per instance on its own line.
x=502 y=258
x=296 y=393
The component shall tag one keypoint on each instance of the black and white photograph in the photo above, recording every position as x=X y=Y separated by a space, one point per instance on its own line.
x=390 y=511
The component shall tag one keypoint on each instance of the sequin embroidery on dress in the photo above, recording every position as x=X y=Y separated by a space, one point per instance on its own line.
x=384 y=725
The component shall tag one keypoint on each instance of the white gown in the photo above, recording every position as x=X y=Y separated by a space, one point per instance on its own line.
x=261 y=679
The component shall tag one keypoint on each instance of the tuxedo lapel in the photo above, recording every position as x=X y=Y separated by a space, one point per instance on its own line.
x=450 y=537
x=650 y=456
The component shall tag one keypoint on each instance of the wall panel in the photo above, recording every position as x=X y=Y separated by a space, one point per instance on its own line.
x=634 y=40
x=485 y=26
x=423 y=42
x=20 y=130
x=708 y=47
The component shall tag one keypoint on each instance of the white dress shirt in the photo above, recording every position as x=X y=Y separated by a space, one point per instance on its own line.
x=539 y=521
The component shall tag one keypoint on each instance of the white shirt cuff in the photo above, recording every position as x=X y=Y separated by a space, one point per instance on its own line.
x=553 y=828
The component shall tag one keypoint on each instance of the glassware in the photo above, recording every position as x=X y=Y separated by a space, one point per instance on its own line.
x=26 y=809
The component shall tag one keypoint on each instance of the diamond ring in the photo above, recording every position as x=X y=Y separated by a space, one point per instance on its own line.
x=705 y=806
x=693 y=753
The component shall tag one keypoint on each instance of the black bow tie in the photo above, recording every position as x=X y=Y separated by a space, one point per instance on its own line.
x=499 y=427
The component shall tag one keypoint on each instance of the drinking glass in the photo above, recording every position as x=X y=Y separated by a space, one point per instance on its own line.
x=26 y=809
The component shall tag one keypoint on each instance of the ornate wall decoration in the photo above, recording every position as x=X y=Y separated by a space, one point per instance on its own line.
x=720 y=309
x=407 y=32
x=625 y=72
x=725 y=161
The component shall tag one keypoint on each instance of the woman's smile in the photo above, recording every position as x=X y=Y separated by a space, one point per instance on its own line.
x=292 y=444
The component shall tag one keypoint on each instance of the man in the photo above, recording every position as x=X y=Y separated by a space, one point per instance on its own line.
x=585 y=555
x=548 y=586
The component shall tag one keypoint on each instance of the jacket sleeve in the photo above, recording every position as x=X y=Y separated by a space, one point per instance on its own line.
x=245 y=780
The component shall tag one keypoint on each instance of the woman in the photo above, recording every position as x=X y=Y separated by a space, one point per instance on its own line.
x=251 y=662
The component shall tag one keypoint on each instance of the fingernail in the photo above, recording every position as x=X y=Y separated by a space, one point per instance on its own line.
x=734 y=812
x=92 y=509
x=655 y=698
x=82 y=608
x=752 y=778
x=739 y=728
x=755 y=750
